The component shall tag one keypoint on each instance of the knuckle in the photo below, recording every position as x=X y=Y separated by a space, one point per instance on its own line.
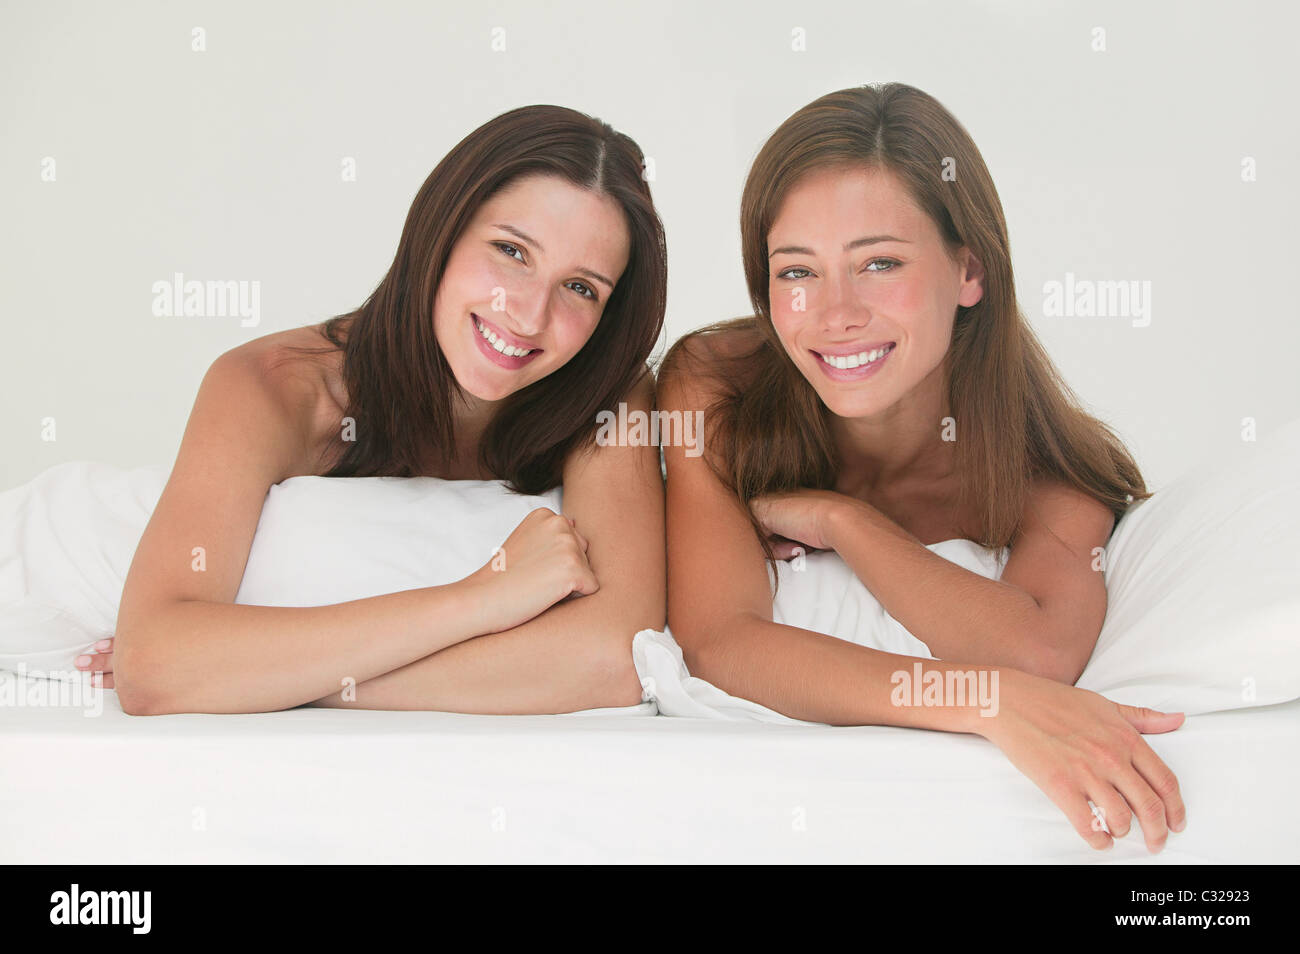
x=1107 y=759
x=1058 y=782
x=1151 y=806
x=1165 y=784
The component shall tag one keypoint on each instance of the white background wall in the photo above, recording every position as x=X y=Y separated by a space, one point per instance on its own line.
x=225 y=164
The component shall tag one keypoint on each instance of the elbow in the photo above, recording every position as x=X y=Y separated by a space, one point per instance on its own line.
x=133 y=701
x=135 y=689
x=618 y=682
x=615 y=681
x=1060 y=662
x=698 y=641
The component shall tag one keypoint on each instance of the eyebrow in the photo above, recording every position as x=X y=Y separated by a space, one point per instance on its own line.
x=519 y=233
x=848 y=247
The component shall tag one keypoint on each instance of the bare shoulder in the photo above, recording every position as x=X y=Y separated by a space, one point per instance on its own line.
x=299 y=389
x=702 y=362
x=717 y=342
x=1074 y=517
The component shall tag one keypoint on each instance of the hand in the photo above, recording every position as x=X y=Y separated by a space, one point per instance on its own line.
x=543 y=561
x=98 y=663
x=1078 y=746
x=796 y=519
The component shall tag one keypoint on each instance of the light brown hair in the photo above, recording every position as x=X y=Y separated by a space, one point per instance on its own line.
x=1019 y=420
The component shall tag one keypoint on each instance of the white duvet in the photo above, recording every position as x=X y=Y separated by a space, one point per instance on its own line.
x=1203 y=579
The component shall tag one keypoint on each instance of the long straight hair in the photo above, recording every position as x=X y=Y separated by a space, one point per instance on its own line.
x=400 y=389
x=1018 y=420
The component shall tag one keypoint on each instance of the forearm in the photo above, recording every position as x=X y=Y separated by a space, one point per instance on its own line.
x=956 y=613
x=197 y=656
x=819 y=678
x=576 y=655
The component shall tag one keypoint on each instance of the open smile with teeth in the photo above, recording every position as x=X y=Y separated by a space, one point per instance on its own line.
x=499 y=343
x=846 y=361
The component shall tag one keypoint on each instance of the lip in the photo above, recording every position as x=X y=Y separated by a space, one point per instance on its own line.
x=859 y=373
x=509 y=362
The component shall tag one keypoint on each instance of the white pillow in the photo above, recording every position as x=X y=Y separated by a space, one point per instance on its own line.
x=69 y=535
x=66 y=541
x=1204 y=590
x=1203 y=584
x=331 y=539
x=1203 y=609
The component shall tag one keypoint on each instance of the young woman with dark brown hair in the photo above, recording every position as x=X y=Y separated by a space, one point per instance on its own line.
x=526 y=294
x=888 y=397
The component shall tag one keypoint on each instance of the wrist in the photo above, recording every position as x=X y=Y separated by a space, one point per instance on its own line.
x=986 y=720
x=472 y=601
x=840 y=514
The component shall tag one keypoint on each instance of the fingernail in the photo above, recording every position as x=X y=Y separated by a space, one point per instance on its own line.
x=81 y=662
x=1180 y=826
x=103 y=644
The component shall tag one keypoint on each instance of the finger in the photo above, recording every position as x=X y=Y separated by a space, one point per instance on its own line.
x=581 y=539
x=94 y=662
x=783 y=549
x=1147 y=806
x=1151 y=721
x=102 y=680
x=587 y=584
x=1163 y=782
x=1074 y=804
x=1111 y=809
x=786 y=549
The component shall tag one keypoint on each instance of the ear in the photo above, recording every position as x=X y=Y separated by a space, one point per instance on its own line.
x=972 y=286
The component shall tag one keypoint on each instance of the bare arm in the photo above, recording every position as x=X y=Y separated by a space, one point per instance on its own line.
x=1075 y=745
x=182 y=645
x=578 y=654
x=720 y=608
x=1043 y=616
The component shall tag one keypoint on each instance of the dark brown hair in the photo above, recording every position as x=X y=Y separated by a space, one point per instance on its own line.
x=400 y=388
x=1019 y=421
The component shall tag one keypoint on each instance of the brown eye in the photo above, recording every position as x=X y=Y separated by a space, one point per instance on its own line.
x=504 y=246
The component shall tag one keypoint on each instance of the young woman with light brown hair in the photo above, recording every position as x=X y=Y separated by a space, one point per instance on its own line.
x=886 y=397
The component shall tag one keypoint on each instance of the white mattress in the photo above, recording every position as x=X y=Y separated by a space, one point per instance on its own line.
x=329 y=786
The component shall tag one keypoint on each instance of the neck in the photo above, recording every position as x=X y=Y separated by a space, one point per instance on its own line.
x=902 y=442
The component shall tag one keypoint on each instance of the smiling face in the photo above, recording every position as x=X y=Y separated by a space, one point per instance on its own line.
x=863 y=292
x=526 y=283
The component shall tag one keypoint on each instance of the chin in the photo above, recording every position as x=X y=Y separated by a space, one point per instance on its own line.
x=479 y=385
x=848 y=404
x=487 y=392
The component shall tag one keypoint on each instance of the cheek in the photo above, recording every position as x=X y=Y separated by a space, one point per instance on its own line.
x=573 y=327
x=472 y=283
x=914 y=305
x=789 y=311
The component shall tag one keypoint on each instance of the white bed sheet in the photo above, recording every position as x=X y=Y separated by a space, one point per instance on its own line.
x=330 y=786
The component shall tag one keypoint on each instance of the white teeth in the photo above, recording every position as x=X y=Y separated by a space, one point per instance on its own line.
x=499 y=343
x=845 y=362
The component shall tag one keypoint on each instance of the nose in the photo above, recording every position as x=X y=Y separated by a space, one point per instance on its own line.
x=528 y=305
x=842 y=309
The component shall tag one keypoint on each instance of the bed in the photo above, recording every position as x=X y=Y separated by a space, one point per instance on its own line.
x=332 y=785
x=1203 y=617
